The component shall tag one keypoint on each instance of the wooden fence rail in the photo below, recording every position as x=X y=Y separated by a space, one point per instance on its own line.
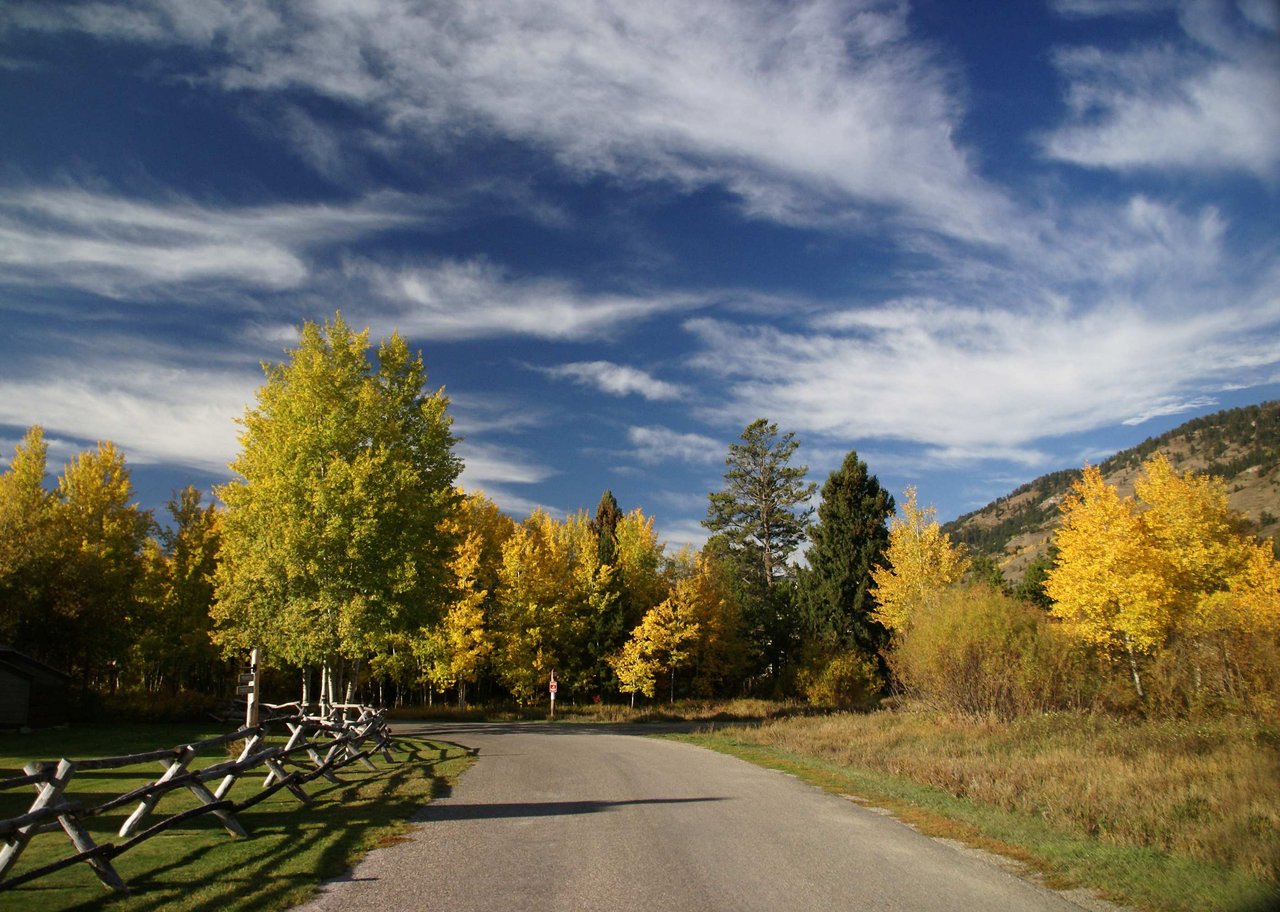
x=347 y=734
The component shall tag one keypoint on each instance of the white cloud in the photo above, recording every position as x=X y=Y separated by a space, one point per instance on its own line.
x=474 y=299
x=808 y=111
x=681 y=533
x=499 y=472
x=617 y=379
x=1170 y=405
x=155 y=414
x=972 y=383
x=1207 y=103
x=660 y=444
x=113 y=245
x=488 y=464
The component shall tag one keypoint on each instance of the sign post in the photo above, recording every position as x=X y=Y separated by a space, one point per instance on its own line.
x=552 y=688
x=248 y=686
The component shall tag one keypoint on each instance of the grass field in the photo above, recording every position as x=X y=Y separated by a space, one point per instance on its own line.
x=1158 y=815
x=196 y=864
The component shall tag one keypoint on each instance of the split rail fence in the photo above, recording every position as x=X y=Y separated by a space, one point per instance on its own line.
x=318 y=746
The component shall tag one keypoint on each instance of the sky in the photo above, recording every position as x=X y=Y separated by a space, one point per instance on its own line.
x=973 y=241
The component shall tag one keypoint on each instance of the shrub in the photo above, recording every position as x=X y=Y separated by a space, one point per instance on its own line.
x=979 y=652
x=846 y=680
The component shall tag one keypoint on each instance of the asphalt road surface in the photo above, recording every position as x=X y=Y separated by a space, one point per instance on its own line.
x=586 y=817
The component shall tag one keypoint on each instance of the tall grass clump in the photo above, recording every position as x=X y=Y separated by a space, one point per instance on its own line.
x=1205 y=790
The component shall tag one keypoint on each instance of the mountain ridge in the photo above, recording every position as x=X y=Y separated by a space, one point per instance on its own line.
x=1241 y=445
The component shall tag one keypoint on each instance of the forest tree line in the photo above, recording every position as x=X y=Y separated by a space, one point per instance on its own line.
x=346 y=551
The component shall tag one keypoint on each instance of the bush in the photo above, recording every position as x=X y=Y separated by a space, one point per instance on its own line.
x=1227 y=671
x=844 y=680
x=980 y=652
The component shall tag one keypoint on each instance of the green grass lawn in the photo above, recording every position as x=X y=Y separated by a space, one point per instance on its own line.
x=196 y=864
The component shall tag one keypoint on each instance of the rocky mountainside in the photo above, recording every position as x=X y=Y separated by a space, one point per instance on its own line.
x=1241 y=445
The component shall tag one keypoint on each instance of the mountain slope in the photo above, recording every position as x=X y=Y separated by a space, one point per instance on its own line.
x=1241 y=445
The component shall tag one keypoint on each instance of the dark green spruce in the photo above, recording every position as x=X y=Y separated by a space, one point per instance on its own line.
x=847 y=543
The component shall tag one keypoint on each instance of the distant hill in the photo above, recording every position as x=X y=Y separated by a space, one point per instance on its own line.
x=1241 y=445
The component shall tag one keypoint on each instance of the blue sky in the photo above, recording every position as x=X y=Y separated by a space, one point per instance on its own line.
x=973 y=241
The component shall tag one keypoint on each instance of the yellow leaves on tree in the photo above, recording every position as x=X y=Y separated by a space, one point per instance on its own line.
x=663 y=641
x=1168 y=567
x=920 y=563
x=457 y=648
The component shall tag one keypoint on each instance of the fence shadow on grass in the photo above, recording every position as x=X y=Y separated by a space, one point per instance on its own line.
x=291 y=851
x=285 y=853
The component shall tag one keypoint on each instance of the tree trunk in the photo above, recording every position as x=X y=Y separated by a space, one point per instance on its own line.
x=1133 y=669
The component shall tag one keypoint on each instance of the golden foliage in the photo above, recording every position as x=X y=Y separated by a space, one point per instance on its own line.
x=1169 y=571
x=920 y=563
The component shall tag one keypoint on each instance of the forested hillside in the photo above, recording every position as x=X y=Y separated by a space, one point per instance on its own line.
x=1240 y=445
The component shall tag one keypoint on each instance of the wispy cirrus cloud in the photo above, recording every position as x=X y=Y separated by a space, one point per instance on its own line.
x=1207 y=102
x=813 y=111
x=973 y=384
x=156 y=413
x=468 y=299
x=501 y=473
x=617 y=379
x=114 y=245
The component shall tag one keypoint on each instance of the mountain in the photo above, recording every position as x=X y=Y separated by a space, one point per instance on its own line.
x=1241 y=445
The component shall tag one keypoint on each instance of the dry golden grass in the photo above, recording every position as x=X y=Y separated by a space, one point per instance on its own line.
x=1207 y=790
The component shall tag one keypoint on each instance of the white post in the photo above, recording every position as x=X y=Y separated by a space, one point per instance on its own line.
x=251 y=706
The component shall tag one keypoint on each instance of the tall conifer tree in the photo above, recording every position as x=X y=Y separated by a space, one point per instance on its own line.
x=847 y=542
x=758 y=521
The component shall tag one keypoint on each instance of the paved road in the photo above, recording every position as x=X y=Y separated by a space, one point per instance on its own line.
x=581 y=817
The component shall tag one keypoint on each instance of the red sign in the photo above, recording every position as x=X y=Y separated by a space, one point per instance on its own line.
x=553 y=686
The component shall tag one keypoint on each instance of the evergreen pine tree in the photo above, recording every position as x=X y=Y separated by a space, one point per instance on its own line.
x=847 y=542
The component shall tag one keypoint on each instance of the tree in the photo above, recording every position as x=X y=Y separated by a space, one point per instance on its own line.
x=763 y=508
x=718 y=653
x=536 y=606
x=847 y=542
x=174 y=648
x=1170 y=570
x=758 y=521
x=1031 y=589
x=28 y=557
x=1107 y=584
x=663 y=642
x=920 y=562
x=640 y=558
x=457 y=648
x=333 y=538
x=102 y=537
x=605 y=528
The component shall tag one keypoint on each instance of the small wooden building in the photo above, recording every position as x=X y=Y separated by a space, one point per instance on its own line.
x=32 y=695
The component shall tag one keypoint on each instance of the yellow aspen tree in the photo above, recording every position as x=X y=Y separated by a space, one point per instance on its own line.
x=636 y=668
x=456 y=650
x=332 y=541
x=663 y=641
x=1110 y=586
x=640 y=559
x=920 y=562
x=29 y=554
x=536 y=586
x=1190 y=523
x=1169 y=567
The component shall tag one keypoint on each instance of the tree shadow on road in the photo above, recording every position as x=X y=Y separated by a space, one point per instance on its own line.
x=540 y=808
